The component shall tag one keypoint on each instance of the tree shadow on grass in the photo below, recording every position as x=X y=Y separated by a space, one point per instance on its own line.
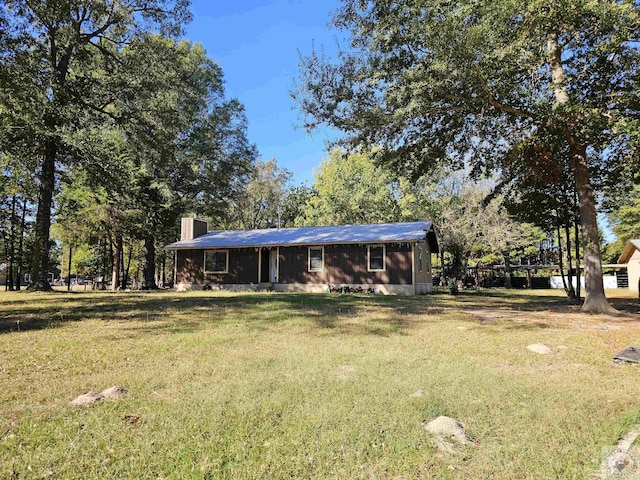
x=175 y=312
x=522 y=300
x=337 y=313
x=507 y=300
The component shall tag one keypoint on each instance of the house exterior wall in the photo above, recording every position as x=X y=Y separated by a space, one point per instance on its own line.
x=343 y=265
x=189 y=267
x=633 y=270
x=243 y=267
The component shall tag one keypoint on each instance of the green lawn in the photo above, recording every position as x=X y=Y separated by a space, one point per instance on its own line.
x=272 y=385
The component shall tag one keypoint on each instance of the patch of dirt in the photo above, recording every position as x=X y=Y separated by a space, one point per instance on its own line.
x=85 y=399
x=345 y=372
x=449 y=432
x=89 y=398
x=540 y=348
x=114 y=392
x=542 y=319
x=132 y=419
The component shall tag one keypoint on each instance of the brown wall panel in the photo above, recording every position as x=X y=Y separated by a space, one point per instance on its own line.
x=189 y=266
x=346 y=264
x=243 y=267
x=294 y=265
x=343 y=264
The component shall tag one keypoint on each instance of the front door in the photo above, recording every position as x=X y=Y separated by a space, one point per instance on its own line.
x=273 y=265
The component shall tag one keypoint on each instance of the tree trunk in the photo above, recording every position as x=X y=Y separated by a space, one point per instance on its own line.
x=138 y=277
x=149 y=272
x=163 y=278
x=507 y=268
x=42 y=244
x=595 y=300
x=125 y=278
x=69 y=269
x=106 y=255
x=5 y=243
x=12 y=244
x=115 y=270
x=571 y=292
x=21 y=244
x=578 y=260
x=560 y=264
x=458 y=268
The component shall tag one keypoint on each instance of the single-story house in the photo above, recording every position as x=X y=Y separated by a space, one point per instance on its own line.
x=631 y=256
x=392 y=257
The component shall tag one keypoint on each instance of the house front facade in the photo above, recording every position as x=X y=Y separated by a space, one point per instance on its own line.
x=393 y=258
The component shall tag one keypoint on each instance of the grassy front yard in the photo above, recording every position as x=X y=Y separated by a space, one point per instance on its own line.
x=310 y=386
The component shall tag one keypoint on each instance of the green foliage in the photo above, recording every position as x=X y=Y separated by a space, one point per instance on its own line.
x=167 y=143
x=445 y=81
x=626 y=219
x=453 y=286
x=261 y=203
x=351 y=189
x=294 y=204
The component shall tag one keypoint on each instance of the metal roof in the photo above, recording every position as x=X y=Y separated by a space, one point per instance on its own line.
x=371 y=233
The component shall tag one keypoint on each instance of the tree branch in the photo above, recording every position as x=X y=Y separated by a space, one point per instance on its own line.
x=491 y=100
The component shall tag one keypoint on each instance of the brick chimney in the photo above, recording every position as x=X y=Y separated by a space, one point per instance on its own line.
x=192 y=228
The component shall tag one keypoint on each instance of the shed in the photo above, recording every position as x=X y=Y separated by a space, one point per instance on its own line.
x=393 y=258
x=631 y=256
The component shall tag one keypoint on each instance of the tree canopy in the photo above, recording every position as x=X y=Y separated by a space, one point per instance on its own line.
x=350 y=189
x=62 y=69
x=119 y=118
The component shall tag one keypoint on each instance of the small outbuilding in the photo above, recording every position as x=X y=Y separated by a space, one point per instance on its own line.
x=392 y=258
x=631 y=256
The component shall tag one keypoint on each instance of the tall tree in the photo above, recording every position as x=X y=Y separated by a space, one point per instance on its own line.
x=17 y=192
x=451 y=81
x=185 y=151
x=189 y=143
x=293 y=212
x=48 y=60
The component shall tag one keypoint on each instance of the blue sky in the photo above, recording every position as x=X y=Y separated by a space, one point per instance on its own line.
x=256 y=42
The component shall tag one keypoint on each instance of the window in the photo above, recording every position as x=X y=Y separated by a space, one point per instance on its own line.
x=376 y=258
x=420 y=260
x=216 y=261
x=316 y=259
